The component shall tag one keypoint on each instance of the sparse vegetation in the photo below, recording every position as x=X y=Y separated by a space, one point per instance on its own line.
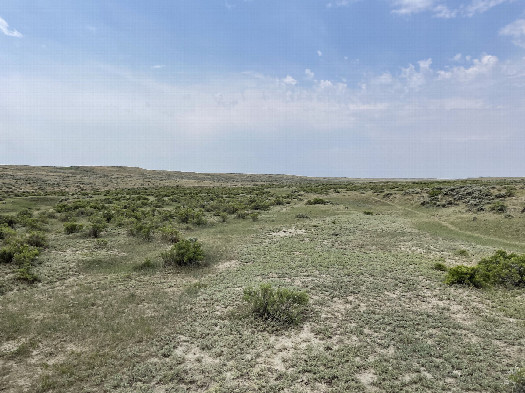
x=279 y=305
x=101 y=314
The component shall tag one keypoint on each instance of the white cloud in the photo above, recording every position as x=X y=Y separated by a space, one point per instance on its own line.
x=408 y=7
x=319 y=53
x=457 y=57
x=440 y=8
x=422 y=105
x=289 y=81
x=479 y=67
x=515 y=30
x=4 y=28
x=481 y=6
x=341 y=3
x=309 y=74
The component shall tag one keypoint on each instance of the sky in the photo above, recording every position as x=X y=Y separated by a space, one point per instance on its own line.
x=354 y=88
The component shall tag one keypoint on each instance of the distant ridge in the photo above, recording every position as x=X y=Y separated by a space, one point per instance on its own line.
x=24 y=178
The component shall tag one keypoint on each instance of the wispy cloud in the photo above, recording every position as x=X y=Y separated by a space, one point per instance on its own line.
x=515 y=30
x=4 y=28
x=377 y=115
x=439 y=8
x=158 y=66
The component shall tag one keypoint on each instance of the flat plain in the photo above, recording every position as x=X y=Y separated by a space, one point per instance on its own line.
x=100 y=311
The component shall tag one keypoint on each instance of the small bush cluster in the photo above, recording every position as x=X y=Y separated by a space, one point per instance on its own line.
x=186 y=252
x=500 y=269
x=317 y=201
x=280 y=305
x=517 y=380
x=18 y=252
x=72 y=227
x=170 y=234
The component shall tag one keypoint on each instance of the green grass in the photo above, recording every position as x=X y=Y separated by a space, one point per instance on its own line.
x=380 y=317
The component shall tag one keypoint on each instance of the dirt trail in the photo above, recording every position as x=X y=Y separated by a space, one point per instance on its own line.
x=453 y=227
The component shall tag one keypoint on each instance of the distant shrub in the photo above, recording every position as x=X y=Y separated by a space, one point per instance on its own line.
x=463 y=275
x=301 y=215
x=517 y=380
x=242 y=214
x=37 y=239
x=254 y=216
x=98 y=225
x=462 y=253
x=498 y=207
x=440 y=266
x=368 y=213
x=223 y=217
x=72 y=227
x=281 y=305
x=184 y=253
x=317 y=201
x=146 y=265
x=141 y=229
x=6 y=232
x=170 y=234
x=25 y=273
x=101 y=243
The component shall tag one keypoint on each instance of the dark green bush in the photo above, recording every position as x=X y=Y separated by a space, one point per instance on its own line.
x=72 y=227
x=317 y=201
x=301 y=215
x=36 y=239
x=280 y=305
x=25 y=273
x=368 y=213
x=440 y=266
x=141 y=229
x=498 y=207
x=146 y=265
x=503 y=269
x=463 y=275
x=500 y=269
x=6 y=232
x=184 y=253
x=98 y=225
x=170 y=234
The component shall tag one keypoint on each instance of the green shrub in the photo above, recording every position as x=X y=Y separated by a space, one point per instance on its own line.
x=143 y=230
x=462 y=253
x=25 y=274
x=368 y=213
x=517 y=380
x=503 y=269
x=101 y=243
x=280 y=305
x=6 y=232
x=464 y=275
x=25 y=255
x=98 y=225
x=301 y=215
x=184 y=253
x=440 y=266
x=170 y=234
x=37 y=239
x=72 y=227
x=498 y=207
x=146 y=265
x=254 y=216
x=317 y=201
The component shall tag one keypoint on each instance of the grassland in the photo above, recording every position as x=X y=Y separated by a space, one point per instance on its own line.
x=380 y=318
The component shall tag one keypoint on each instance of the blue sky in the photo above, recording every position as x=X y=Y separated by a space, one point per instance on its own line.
x=357 y=88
